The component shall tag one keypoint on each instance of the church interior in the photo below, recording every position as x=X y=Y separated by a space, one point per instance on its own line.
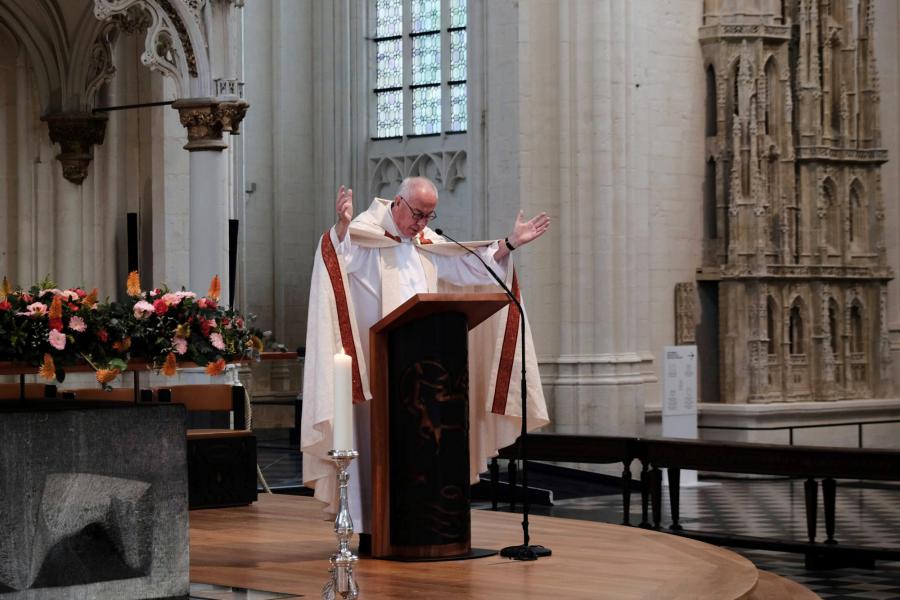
x=715 y=309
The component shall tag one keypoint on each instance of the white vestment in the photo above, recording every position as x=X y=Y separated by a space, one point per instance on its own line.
x=355 y=284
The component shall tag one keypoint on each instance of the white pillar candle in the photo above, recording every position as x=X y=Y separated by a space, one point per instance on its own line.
x=343 y=403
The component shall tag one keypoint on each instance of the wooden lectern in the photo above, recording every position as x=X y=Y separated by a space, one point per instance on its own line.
x=420 y=425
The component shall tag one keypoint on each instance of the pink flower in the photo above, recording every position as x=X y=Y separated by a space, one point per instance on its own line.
x=36 y=309
x=142 y=309
x=57 y=339
x=180 y=345
x=77 y=324
x=217 y=341
x=172 y=299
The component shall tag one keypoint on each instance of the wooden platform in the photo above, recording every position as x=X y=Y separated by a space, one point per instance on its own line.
x=281 y=544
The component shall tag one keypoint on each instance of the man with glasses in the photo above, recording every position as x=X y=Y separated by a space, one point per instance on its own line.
x=364 y=269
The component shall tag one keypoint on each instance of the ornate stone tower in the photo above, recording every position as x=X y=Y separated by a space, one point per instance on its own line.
x=794 y=267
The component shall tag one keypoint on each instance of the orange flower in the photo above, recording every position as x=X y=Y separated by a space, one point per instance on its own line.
x=56 y=308
x=171 y=367
x=91 y=299
x=134 y=284
x=104 y=376
x=5 y=289
x=255 y=343
x=215 y=368
x=215 y=288
x=122 y=345
x=48 y=369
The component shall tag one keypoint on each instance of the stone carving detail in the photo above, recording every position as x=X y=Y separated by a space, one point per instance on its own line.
x=196 y=8
x=76 y=133
x=446 y=168
x=685 y=313
x=229 y=87
x=207 y=118
x=231 y=113
x=167 y=45
x=134 y=19
x=101 y=68
x=798 y=126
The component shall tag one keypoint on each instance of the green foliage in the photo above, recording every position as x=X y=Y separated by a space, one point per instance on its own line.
x=71 y=326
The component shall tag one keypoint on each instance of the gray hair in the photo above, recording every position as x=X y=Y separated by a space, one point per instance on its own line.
x=408 y=184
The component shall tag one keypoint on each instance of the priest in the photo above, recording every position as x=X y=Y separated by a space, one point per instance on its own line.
x=364 y=269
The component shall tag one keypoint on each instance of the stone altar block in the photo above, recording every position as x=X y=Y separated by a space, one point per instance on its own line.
x=93 y=501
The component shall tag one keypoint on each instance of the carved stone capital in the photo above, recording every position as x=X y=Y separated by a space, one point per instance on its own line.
x=76 y=133
x=231 y=113
x=206 y=119
x=204 y=126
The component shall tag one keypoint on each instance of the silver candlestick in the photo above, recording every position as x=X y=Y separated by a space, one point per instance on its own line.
x=341 y=569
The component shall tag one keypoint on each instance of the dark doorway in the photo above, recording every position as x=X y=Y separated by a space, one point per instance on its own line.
x=708 y=341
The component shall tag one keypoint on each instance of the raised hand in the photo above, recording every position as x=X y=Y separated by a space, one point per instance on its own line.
x=528 y=231
x=343 y=206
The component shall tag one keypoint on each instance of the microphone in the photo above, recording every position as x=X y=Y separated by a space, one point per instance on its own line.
x=496 y=277
x=526 y=550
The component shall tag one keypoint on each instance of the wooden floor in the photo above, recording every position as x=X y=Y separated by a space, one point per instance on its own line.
x=282 y=544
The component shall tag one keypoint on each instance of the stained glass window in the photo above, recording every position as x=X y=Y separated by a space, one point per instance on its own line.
x=457 y=13
x=390 y=113
x=426 y=15
x=426 y=110
x=458 y=112
x=421 y=64
x=389 y=63
x=388 y=18
x=458 y=55
x=426 y=59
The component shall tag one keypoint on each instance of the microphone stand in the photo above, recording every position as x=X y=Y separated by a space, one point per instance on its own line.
x=524 y=551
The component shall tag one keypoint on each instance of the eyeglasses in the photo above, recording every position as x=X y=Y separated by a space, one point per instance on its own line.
x=418 y=215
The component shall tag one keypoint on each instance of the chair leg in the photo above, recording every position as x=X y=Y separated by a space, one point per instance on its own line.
x=811 y=491
x=656 y=495
x=626 y=495
x=829 y=495
x=645 y=496
x=674 y=497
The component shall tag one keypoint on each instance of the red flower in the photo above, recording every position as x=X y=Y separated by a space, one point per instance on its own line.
x=5 y=305
x=160 y=306
x=205 y=326
x=27 y=299
x=56 y=324
x=73 y=307
x=81 y=293
x=103 y=336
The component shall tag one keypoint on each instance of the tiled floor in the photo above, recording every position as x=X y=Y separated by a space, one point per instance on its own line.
x=866 y=515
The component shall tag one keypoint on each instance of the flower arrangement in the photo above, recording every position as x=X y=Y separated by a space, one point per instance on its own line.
x=53 y=328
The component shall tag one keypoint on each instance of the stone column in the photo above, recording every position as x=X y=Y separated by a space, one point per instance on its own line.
x=581 y=73
x=76 y=133
x=206 y=119
x=26 y=250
